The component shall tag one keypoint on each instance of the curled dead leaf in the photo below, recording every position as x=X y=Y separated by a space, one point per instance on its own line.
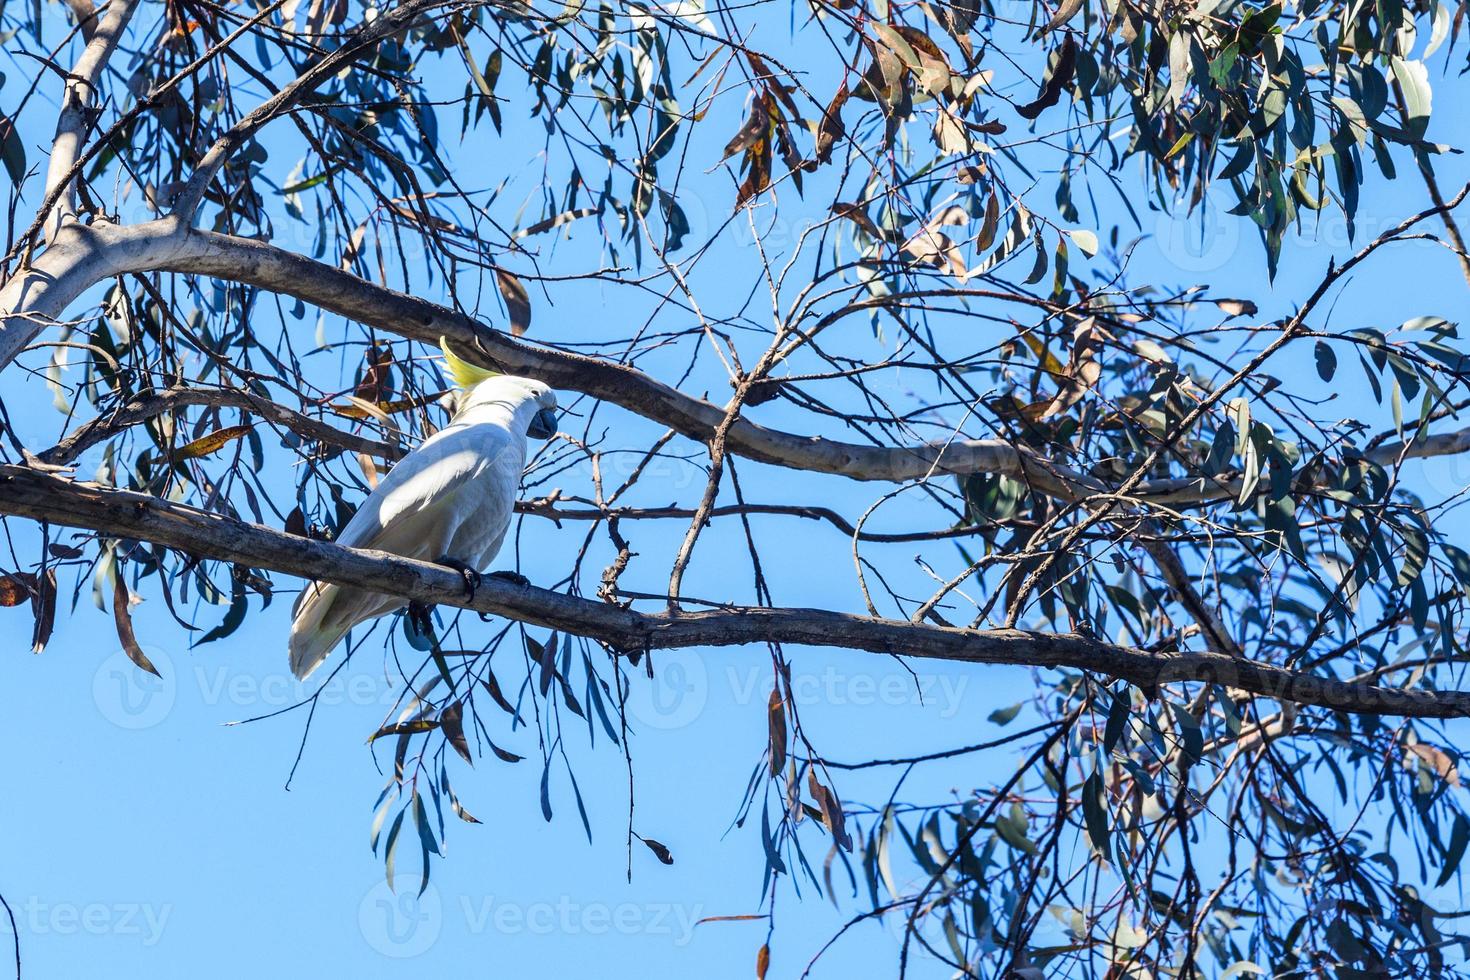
x=1060 y=77
x=935 y=248
x=124 y=620
x=517 y=302
x=755 y=128
x=1437 y=759
x=776 y=718
x=16 y=587
x=859 y=217
x=451 y=723
x=659 y=851
x=212 y=443
x=43 y=607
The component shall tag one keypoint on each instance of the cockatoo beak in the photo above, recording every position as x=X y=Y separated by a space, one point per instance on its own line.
x=543 y=426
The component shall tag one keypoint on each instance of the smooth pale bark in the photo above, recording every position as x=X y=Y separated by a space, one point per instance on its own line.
x=77 y=101
x=78 y=257
x=27 y=493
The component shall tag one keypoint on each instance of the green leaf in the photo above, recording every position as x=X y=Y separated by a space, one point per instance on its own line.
x=1413 y=79
x=1326 y=361
x=233 y=618
x=546 y=791
x=1004 y=716
x=1012 y=829
x=1086 y=240
x=1095 y=812
x=426 y=830
x=1192 y=740
x=1221 y=64
x=12 y=150
x=420 y=640
x=1459 y=837
x=1117 y=720
x=391 y=849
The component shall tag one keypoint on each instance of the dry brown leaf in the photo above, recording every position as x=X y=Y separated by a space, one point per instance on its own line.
x=451 y=722
x=124 y=620
x=1438 y=760
x=211 y=443
x=517 y=302
x=43 y=607
x=1083 y=369
x=16 y=587
x=936 y=249
x=756 y=125
x=776 y=718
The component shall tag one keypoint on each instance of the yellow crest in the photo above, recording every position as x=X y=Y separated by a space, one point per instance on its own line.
x=465 y=374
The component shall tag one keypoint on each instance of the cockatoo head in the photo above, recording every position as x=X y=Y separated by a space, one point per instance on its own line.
x=526 y=398
x=543 y=422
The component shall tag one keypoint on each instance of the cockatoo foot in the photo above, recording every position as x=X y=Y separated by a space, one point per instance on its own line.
x=515 y=578
x=420 y=616
x=471 y=576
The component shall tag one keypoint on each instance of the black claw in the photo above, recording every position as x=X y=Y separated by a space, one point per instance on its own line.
x=515 y=578
x=470 y=576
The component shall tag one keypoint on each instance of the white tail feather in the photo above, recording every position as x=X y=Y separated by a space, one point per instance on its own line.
x=312 y=639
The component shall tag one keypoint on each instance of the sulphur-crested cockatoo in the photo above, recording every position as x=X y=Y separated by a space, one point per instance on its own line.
x=448 y=501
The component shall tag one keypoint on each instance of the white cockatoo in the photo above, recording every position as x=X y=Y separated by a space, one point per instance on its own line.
x=449 y=501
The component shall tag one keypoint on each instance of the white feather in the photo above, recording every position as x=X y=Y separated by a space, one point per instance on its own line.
x=452 y=497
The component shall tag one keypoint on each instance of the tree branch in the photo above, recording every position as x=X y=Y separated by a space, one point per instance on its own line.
x=77 y=99
x=152 y=404
x=83 y=255
x=28 y=493
x=331 y=288
x=85 y=13
x=350 y=45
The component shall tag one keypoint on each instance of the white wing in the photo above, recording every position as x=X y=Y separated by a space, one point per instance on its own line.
x=459 y=474
x=421 y=502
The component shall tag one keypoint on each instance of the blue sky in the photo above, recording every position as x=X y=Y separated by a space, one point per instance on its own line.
x=144 y=836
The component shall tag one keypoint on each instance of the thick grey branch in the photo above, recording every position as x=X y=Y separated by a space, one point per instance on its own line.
x=328 y=287
x=83 y=255
x=85 y=13
x=27 y=493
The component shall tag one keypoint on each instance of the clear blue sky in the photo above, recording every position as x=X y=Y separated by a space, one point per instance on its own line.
x=144 y=838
